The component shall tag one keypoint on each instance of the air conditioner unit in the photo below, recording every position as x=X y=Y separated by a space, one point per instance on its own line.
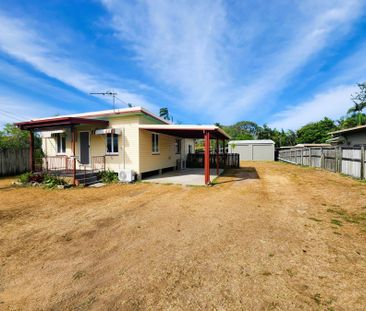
x=126 y=175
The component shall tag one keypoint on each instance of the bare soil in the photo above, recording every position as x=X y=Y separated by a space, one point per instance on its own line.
x=268 y=236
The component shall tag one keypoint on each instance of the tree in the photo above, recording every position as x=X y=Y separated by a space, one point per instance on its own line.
x=243 y=130
x=348 y=121
x=12 y=137
x=164 y=113
x=359 y=100
x=315 y=132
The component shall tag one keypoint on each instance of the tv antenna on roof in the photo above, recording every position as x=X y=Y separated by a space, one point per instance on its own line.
x=107 y=93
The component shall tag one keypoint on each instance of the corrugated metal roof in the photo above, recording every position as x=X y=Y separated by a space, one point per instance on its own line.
x=253 y=141
x=186 y=130
x=351 y=129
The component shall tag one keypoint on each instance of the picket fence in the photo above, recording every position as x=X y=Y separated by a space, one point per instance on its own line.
x=346 y=160
x=13 y=161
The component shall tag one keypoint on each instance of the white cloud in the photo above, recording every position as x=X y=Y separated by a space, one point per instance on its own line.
x=177 y=42
x=21 y=41
x=199 y=47
x=20 y=108
x=332 y=103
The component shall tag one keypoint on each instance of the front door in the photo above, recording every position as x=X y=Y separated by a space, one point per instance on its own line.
x=84 y=147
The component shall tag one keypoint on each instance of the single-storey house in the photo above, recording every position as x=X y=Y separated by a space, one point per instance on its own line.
x=351 y=137
x=253 y=150
x=130 y=140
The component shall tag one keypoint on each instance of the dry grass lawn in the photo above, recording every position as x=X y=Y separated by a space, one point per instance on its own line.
x=268 y=236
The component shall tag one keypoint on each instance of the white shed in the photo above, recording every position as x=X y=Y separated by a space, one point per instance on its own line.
x=253 y=150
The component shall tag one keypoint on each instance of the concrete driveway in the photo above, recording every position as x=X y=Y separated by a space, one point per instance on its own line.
x=189 y=176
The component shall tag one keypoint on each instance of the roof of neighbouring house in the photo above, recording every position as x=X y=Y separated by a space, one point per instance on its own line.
x=351 y=129
x=252 y=141
x=306 y=146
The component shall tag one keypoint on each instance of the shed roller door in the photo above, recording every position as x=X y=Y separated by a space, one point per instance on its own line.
x=262 y=152
x=245 y=152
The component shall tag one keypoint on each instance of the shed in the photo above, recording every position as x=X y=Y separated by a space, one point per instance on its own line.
x=253 y=150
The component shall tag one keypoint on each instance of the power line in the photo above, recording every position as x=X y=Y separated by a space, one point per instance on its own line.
x=10 y=113
x=114 y=96
x=11 y=116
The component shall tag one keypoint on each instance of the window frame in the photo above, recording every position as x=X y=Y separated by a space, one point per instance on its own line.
x=178 y=146
x=112 y=144
x=155 y=142
x=190 y=149
x=60 y=142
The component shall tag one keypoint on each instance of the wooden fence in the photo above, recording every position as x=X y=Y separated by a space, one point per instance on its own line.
x=226 y=160
x=14 y=161
x=345 y=160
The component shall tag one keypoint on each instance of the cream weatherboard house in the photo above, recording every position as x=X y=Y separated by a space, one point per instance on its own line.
x=131 y=140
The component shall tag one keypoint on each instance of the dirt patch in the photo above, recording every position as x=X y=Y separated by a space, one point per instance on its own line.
x=267 y=236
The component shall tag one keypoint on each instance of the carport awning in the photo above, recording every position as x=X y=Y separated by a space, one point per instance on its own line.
x=46 y=124
x=186 y=131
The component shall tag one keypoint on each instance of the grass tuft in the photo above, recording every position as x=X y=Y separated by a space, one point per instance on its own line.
x=315 y=219
x=336 y=222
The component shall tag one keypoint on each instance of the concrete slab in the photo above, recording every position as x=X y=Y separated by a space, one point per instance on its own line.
x=189 y=176
x=97 y=185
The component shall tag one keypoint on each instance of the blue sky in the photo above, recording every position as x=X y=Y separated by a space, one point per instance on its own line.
x=284 y=63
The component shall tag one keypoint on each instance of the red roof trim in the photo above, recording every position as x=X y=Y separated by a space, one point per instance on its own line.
x=59 y=122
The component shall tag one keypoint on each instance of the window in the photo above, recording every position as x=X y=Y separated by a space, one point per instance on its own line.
x=155 y=143
x=178 y=146
x=61 y=142
x=112 y=143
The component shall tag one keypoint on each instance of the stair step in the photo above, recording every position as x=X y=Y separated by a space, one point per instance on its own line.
x=88 y=180
x=81 y=175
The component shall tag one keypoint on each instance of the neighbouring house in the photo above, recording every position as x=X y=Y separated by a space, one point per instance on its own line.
x=253 y=150
x=351 y=137
x=131 y=140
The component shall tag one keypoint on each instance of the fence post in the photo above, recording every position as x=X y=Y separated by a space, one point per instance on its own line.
x=302 y=156
x=322 y=158
x=309 y=156
x=362 y=167
x=340 y=157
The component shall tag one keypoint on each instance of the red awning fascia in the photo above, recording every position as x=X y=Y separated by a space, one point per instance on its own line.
x=59 y=122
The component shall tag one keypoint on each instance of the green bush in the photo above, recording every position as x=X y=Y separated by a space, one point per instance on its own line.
x=50 y=181
x=108 y=176
x=24 y=178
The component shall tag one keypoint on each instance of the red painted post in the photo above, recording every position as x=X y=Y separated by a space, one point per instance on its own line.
x=31 y=151
x=207 y=157
x=73 y=137
x=217 y=157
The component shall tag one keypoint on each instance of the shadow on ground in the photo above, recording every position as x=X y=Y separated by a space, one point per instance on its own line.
x=237 y=174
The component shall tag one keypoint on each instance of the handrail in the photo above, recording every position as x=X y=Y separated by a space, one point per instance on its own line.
x=98 y=163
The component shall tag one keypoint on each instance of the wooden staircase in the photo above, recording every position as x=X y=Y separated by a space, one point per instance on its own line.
x=87 y=178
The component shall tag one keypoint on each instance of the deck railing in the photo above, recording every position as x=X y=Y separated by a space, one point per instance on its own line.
x=226 y=160
x=98 y=163
x=55 y=164
x=65 y=164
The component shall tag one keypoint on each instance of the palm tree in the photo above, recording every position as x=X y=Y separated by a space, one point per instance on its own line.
x=164 y=113
x=357 y=110
x=359 y=100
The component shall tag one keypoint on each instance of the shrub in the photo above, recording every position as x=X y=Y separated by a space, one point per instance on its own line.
x=29 y=177
x=108 y=176
x=24 y=178
x=36 y=178
x=48 y=181
x=53 y=181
